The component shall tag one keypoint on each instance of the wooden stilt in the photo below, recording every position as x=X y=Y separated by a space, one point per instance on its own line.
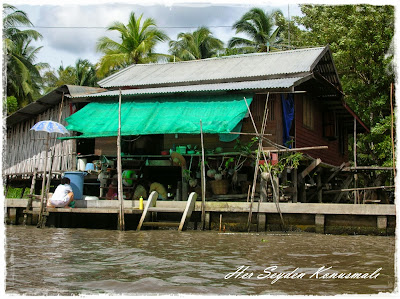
x=319 y=187
x=294 y=179
x=121 y=216
x=338 y=169
x=346 y=184
x=42 y=197
x=203 y=179
x=31 y=191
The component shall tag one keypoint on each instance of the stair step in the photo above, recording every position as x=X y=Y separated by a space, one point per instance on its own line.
x=166 y=210
x=33 y=196
x=166 y=224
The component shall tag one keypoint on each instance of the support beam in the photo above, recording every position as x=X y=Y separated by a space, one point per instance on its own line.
x=346 y=184
x=294 y=179
x=310 y=168
x=319 y=187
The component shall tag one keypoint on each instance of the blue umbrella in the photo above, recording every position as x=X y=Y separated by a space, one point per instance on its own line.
x=50 y=127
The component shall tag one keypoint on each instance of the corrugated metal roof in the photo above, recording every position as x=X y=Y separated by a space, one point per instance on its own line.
x=217 y=69
x=283 y=83
x=47 y=101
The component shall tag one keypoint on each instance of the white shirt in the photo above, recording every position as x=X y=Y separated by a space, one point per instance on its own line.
x=61 y=191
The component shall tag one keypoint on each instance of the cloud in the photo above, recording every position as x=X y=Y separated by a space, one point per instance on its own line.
x=83 y=40
x=65 y=43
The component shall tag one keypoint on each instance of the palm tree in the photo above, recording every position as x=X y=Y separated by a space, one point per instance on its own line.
x=197 y=45
x=258 y=25
x=138 y=40
x=23 y=77
x=82 y=74
x=85 y=73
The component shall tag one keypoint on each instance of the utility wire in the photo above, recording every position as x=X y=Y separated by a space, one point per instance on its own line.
x=96 y=27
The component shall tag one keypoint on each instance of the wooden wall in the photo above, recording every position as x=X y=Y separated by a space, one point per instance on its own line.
x=25 y=149
x=314 y=137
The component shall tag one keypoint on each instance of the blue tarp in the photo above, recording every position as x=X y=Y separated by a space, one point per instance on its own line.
x=288 y=115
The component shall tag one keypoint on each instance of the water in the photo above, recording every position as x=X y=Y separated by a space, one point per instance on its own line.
x=63 y=261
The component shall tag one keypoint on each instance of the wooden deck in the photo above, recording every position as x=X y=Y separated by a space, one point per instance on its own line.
x=132 y=207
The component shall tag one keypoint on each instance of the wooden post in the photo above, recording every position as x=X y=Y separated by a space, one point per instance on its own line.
x=275 y=181
x=42 y=196
x=319 y=187
x=263 y=190
x=31 y=191
x=294 y=179
x=355 y=159
x=203 y=179
x=121 y=218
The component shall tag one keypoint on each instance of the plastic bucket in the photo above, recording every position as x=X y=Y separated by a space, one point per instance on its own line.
x=89 y=166
x=76 y=178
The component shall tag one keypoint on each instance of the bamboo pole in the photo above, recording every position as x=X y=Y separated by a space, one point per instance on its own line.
x=53 y=150
x=392 y=128
x=308 y=148
x=358 y=189
x=121 y=220
x=43 y=185
x=203 y=179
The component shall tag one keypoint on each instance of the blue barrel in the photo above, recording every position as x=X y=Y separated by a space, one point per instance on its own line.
x=76 y=178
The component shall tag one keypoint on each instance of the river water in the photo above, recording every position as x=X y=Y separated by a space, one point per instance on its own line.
x=64 y=261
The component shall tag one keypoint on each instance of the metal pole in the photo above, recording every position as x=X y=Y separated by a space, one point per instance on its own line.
x=121 y=220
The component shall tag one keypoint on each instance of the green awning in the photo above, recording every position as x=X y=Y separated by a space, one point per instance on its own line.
x=219 y=114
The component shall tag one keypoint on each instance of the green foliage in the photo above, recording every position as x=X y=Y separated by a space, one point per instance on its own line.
x=200 y=44
x=23 y=77
x=83 y=73
x=361 y=40
x=259 y=27
x=246 y=149
x=291 y=160
x=138 y=40
x=11 y=104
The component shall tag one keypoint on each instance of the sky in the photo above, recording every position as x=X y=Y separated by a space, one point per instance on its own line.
x=68 y=33
x=63 y=44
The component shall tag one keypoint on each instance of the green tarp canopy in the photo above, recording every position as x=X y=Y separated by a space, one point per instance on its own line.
x=219 y=114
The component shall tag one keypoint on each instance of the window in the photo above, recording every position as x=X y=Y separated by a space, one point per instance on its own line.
x=329 y=124
x=308 y=113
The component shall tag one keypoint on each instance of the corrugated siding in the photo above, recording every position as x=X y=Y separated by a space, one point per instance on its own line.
x=223 y=68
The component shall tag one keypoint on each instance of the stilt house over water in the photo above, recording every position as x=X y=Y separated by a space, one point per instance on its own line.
x=162 y=105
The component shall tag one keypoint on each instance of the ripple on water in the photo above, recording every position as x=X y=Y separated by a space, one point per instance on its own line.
x=81 y=261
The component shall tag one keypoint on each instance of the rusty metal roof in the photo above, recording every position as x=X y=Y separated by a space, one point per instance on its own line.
x=284 y=84
x=217 y=70
x=48 y=101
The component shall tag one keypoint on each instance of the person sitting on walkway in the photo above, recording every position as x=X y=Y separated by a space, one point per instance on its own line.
x=63 y=195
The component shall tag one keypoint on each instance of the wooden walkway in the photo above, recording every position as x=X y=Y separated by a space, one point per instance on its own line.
x=132 y=207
